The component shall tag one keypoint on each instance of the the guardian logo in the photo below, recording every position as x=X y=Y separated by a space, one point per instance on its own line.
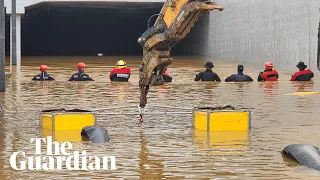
x=60 y=158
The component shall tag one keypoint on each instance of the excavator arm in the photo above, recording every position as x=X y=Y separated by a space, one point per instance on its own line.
x=174 y=22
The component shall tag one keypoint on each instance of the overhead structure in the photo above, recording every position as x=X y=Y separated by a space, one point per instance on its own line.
x=174 y=22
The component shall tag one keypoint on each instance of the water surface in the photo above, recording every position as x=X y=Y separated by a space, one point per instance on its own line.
x=164 y=146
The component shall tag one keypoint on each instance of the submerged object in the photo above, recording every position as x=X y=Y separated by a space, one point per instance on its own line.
x=95 y=134
x=305 y=154
x=222 y=140
x=223 y=128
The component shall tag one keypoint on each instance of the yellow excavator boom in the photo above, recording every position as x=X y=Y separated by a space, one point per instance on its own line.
x=174 y=22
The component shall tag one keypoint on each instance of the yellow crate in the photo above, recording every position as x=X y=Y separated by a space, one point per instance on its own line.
x=67 y=121
x=65 y=125
x=221 y=139
x=222 y=120
x=63 y=136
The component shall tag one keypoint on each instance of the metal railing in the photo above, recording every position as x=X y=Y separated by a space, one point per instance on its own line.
x=142 y=110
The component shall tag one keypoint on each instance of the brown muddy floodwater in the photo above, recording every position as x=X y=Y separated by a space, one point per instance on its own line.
x=164 y=146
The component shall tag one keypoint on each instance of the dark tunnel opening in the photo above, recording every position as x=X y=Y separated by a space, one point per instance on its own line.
x=81 y=30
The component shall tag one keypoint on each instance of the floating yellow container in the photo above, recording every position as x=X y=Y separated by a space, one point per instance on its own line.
x=221 y=139
x=221 y=129
x=65 y=125
x=222 y=120
x=63 y=136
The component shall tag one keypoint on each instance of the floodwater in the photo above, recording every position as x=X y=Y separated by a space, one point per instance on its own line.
x=164 y=146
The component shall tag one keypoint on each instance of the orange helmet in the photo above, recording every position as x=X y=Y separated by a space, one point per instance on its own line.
x=81 y=65
x=268 y=65
x=43 y=68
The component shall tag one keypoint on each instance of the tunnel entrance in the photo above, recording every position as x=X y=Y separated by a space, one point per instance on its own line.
x=86 y=29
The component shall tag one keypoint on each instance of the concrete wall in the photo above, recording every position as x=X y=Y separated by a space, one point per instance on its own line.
x=256 y=31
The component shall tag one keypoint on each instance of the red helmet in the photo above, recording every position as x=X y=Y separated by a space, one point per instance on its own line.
x=268 y=65
x=43 y=68
x=81 y=65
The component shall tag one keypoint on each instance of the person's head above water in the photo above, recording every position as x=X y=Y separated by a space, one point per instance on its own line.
x=121 y=64
x=301 y=66
x=240 y=68
x=209 y=65
x=43 y=68
x=268 y=65
x=81 y=66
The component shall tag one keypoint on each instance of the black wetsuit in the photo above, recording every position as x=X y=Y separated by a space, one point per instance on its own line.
x=80 y=76
x=240 y=77
x=207 y=75
x=43 y=76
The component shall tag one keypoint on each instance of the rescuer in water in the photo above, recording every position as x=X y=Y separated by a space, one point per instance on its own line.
x=240 y=77
x=121 y=73
x=43 y=76
x=302 y=74
x=166 y=76
x=268 y=74
x=80 y=75
x=208 y=74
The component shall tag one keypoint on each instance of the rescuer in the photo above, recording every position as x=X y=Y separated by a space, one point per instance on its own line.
x=80 y=75
x=240 y=77
x=302 y=74
x=166 y=76
x=43 y=76
x=121 y=73
x=268 y=74
x=208 y=74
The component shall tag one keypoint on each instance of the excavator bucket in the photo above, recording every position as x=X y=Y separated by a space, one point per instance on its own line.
x=174 y=22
